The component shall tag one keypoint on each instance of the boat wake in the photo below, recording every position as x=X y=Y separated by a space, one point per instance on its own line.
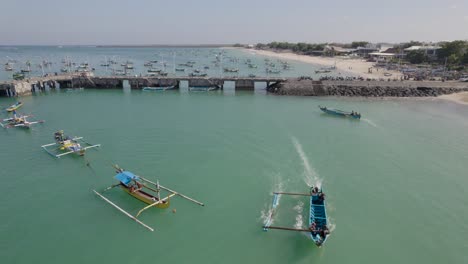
x=268 y=213
x=369 y=122
x=311 y=177
x=299 y=218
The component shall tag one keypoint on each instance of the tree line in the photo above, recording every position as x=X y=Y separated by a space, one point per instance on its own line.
x=453 y=52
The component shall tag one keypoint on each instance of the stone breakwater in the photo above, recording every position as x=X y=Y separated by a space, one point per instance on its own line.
x=307 y=87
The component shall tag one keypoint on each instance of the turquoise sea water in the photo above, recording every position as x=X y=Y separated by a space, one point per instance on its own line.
x=395 y=180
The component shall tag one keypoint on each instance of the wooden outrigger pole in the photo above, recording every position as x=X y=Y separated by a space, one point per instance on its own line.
x=174 y=192
x=287 y=228
x=123 y=211
x=155 y=203
x=289 y=193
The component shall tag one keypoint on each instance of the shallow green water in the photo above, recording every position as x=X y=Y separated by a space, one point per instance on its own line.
x=395 y=181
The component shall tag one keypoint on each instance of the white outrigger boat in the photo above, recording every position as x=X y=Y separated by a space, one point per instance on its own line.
x=68 y=145
x=18 y=121
x=158 y=88
x=146 y=191
x=318 y=223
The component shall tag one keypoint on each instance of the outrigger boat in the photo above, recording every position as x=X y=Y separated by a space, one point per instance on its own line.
x=69 y=145
x=144 y=190
x=318 y=224
x=337 y=112
x=18 y=121
x=158 y=88
x=15 y=106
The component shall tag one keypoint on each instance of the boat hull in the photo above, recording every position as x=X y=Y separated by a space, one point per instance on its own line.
x=145 y=197
x=318 y=217
x=340 y=113
x=14 y=107
x=158 y=88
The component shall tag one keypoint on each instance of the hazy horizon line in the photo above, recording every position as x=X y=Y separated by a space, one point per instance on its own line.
x=220 y=44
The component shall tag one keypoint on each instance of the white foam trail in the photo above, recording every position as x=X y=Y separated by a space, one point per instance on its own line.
x=331 y=224
x=268 y=212
x=299 y=220
x=311 y=177
x=369 y=122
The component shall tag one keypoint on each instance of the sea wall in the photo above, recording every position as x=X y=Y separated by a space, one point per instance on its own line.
x=307 y=87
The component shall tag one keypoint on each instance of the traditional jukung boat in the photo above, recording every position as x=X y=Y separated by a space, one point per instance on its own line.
x=144 y=190
x=318 y=224
x=18 y=121
x=15 y=106
x=202 y=88
x=337 y=112
x=68 y=145
x=158 y=88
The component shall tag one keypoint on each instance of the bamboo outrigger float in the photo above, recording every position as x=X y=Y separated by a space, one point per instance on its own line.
x=69 y=145
x=318 y=229
x=144 y=190
x=18 y=121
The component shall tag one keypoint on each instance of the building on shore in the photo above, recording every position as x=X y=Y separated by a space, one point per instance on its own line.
x=429 y=50
x=331 y=50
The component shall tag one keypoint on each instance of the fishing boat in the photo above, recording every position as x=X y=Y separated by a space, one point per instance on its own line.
x=273 y=71
x=322 y=71
x=180 y=69
x=14 y=106
x=202 y=88
x=144 y=190
x=337 y=112
x=18 y=76
x=154 y=70
x=68 y=145
x=201 y=74
x=18 y=121
x=230 y=70
x=318 y=224
x=158 y=88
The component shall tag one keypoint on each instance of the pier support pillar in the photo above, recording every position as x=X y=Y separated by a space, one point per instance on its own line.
x=245 y=85
x=199 y=83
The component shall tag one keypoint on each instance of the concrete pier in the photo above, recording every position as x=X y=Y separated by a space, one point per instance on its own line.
x=280 y=86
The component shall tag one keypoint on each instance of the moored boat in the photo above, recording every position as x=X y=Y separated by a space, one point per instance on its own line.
x=18 y=121
x=15 y=106
x=158 y=88
x=144 y=190
x=18 y=76
x=68 y=145
x=337 y=112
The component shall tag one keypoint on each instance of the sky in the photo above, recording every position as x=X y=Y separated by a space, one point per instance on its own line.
x=146 y=22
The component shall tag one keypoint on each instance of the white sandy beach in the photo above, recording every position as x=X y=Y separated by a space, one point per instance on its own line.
x=355 y=66
x=461 y=98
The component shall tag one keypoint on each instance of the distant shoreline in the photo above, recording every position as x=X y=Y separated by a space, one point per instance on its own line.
x=350 y=65
x=130 y=46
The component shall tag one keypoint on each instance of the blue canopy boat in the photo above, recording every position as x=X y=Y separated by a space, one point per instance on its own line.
x=144 y=190
x=337 y=112
x=318 y=224
x=318 y=217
